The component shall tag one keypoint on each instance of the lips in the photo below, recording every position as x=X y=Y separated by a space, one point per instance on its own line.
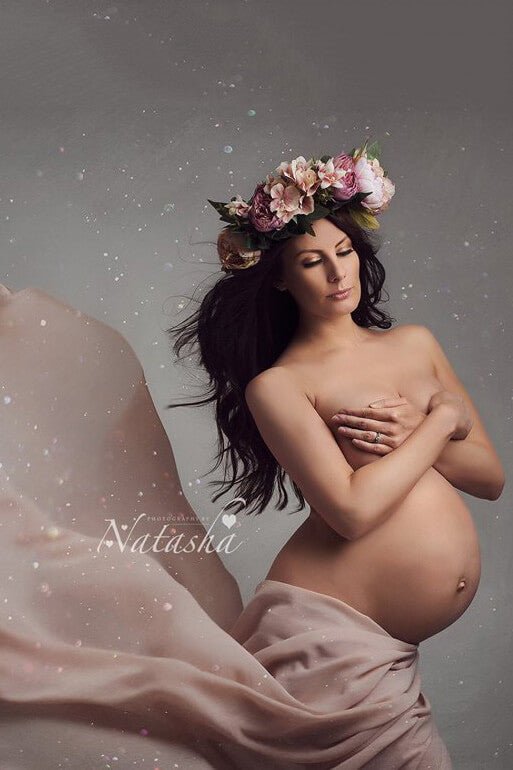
x=340 y=294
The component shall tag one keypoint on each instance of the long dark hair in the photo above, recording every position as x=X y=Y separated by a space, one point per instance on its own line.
x=241 y=326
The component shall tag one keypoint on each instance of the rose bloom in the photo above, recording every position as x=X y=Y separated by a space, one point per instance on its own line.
x=261 y=214
x=371 y=178
x=348 y=186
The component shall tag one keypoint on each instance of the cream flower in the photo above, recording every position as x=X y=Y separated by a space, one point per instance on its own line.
x=289 y=201
x=302 y=173
x=330 y=175
x=238 y=207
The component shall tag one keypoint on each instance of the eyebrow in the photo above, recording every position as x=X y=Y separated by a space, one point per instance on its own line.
x=318 y=251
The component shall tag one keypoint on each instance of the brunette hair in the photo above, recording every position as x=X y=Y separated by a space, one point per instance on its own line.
x=242 y=325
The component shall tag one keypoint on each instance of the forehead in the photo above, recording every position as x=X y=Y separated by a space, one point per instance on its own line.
x=326 y=235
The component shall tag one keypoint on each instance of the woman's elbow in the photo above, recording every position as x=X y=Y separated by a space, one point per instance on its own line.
x=493 y=481
x=345 y=523
x=495 y=489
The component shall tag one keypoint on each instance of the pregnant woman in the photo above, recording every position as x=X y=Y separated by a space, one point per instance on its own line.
x=372 y=426
x=133 y=654
x=394 y=540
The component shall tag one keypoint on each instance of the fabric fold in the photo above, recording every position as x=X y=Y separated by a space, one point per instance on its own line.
x=134 y=656
x=301 y=679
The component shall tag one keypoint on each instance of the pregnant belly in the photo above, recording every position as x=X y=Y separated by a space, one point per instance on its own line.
x=423 y=564
x=415 y=574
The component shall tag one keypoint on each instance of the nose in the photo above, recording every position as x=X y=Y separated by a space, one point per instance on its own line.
x=336 y=272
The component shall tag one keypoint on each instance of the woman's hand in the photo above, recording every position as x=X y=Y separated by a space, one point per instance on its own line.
x=463 y=415
x=393 y=418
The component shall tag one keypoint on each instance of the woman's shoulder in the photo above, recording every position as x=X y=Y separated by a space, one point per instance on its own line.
x=412 y=334
x=278 y=373
x=280 y=379
x=288 y=371
x=414 y=343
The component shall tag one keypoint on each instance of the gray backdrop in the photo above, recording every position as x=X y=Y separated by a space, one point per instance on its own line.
x=120 y=119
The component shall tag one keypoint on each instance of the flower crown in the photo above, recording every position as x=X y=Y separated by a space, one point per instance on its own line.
x=298 y=192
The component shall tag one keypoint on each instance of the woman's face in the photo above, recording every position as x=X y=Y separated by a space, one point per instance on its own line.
x=314 y=267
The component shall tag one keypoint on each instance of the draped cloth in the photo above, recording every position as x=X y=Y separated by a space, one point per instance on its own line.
x=112 y=658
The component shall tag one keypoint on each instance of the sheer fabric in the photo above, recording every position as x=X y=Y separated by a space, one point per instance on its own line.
x=112 y=658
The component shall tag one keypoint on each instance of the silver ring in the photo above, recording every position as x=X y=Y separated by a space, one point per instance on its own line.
x=378 y=434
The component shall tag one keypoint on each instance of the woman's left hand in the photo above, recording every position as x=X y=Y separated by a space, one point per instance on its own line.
x=393 y=418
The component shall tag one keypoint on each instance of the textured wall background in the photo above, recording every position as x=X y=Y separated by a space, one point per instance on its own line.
x=118 y=120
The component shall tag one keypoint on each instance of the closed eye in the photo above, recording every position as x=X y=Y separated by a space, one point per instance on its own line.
x=318 y=261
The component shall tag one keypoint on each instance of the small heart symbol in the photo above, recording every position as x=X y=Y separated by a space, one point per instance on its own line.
x=124 y=526
x=109 y=543
x=229 y=520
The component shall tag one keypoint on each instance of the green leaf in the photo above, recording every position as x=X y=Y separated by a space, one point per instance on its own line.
x=251 y=243
x=303 y=225
x=319 y=211
x=335 y=205
x=373 y=151
x=280 y=235
x=364 y=218
x=218 y=205
x=363 y=149
x=360 y=196
x=226 y=218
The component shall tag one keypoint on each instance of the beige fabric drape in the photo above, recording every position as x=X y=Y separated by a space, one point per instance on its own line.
x=121 y=659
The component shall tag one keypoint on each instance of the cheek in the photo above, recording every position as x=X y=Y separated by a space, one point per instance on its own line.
x=304 y=281
x=355 y=272
x=306 y=288
x=307 y=291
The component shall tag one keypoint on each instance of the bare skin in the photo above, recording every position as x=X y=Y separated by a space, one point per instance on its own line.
x=419 y=570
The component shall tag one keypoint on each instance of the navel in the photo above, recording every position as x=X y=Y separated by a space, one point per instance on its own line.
x=461 y=585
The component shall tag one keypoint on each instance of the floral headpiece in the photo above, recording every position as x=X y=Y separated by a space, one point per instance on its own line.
x=298 y=192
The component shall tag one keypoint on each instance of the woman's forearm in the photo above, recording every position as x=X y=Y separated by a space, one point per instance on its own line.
x=468 y=465
x=471 y=467
x=378 y=488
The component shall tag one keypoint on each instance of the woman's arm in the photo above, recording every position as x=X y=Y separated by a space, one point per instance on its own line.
x=351 y=501
x=472 y=464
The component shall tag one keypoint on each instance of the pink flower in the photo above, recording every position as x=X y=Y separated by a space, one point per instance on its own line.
x=261 y=214
x=288 y=201
x=348 y=184
x=238 y=207
x=302 y=173
x=329 y=176
x=371 y=178
x=389 y=192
